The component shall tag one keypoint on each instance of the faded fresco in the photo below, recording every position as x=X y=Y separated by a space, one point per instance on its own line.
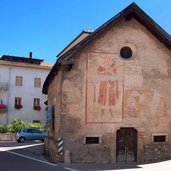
x=104 y=88
x=144 y=103
x=107 y=101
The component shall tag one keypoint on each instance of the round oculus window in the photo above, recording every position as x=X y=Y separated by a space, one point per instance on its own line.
x=126 y=52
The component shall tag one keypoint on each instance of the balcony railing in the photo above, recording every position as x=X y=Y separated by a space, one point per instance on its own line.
x=3 y=86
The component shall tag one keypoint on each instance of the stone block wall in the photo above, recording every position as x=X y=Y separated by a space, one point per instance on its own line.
x=157 y=152
x=7 y=137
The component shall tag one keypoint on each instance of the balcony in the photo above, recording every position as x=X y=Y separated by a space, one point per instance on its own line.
x=3 y=86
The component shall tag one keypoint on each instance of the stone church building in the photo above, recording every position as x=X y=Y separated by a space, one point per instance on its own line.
x=110 y=91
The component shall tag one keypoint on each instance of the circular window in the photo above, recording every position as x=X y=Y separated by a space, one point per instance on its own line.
x=126 y=52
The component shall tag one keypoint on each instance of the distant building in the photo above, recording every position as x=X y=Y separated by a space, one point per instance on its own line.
x=21 y=81
x=111 y=93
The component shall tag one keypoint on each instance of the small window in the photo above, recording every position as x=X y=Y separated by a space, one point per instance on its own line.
x=36 y=102
x=18 y=80
x=159 y=138
x=126 y=52
x=17 y=101
x=36 y=121
x=37 y=82
x=92 y=140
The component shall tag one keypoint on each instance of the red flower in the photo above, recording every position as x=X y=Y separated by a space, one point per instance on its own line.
x=18 y=106
x=2 y=106
x=37 y=108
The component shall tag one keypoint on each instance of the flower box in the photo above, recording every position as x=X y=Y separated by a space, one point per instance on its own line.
x=18 y=106
x=3 y=108
x=37 y=108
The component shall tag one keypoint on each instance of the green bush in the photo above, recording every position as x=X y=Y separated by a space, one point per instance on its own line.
x=10 y=128
x=36 y=125
x=3 y=129
x=16 y=125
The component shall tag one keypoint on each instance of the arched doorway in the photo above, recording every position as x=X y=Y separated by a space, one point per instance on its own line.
x=126 y=145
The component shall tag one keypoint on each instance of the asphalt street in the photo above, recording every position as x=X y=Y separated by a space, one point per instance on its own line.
x=12 y=162
x=29 y=157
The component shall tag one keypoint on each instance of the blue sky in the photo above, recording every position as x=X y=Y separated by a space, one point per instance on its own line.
x=45 y=27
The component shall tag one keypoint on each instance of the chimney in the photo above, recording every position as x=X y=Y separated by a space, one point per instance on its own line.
x=30 y=55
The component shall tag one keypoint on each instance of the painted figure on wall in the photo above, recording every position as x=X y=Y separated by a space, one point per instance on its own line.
x=144 y=103
x=108 y=89
x=106 y=86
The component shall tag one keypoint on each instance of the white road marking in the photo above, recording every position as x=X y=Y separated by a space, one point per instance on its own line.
x=67 y=168
x=18 y=147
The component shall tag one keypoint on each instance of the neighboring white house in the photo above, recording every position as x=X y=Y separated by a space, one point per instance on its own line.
x=21 y=81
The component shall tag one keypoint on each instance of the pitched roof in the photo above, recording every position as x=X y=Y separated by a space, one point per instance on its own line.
x=78 y=39
x=132 y=11
x=21 y=59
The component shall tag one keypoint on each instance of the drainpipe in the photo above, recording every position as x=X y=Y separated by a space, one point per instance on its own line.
x=8 y=95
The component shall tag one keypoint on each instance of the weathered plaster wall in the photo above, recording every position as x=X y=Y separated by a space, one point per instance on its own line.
x=103 y=92
x=53 y=127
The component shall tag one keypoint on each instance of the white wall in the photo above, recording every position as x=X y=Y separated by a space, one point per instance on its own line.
x=4 y=79
x=27 y=91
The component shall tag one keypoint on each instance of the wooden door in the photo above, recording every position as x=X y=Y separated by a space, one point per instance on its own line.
x=126 y=150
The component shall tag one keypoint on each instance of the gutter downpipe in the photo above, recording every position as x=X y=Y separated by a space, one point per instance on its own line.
x=8 y=95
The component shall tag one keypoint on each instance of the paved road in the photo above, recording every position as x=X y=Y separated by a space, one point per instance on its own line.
x=28 y=157
x=19 y=157
x=12 y=162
